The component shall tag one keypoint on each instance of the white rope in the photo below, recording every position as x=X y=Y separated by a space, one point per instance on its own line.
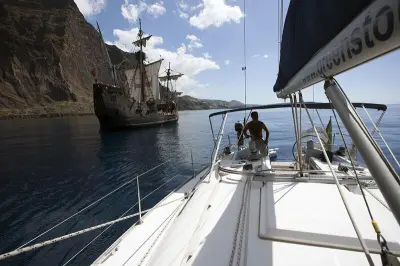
x=58 y=239
x=94 y=239
x=378 y=122
x=93 y=203
x=383 y=139
x=359 y=236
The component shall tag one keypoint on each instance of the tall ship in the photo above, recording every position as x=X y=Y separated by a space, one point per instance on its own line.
x=136 y=98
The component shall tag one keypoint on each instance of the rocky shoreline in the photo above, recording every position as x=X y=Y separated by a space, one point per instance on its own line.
x=65 y=108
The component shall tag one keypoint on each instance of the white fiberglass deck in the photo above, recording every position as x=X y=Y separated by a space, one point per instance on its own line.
x=201 y=231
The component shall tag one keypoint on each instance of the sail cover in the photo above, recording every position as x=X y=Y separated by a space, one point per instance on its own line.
x=312 y=24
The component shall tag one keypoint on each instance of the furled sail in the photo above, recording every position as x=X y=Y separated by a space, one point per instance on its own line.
x=142 y=41
x=170 y=77
x=152 y=70
x=324 y=38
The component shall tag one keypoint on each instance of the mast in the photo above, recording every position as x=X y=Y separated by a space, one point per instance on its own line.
x=140 y=34
x=168 y=78
x=111 y=66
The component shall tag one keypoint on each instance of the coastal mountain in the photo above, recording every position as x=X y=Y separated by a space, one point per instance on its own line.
x=47 y=55
x=190 y=103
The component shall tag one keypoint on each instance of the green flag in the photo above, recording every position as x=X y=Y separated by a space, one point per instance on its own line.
x=329 y=133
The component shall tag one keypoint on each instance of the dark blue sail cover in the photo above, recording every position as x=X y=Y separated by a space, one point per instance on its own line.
x=309 y=26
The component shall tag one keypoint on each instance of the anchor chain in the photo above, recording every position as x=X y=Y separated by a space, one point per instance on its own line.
x=167 y=223
x=238 y=223
x=243 y=225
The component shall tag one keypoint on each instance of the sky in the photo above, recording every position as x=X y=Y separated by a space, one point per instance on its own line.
x=204 y=40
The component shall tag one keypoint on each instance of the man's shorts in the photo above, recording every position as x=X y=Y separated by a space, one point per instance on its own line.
x=258 y=145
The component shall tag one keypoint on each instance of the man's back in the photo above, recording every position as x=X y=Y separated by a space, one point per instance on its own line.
x=255 y=128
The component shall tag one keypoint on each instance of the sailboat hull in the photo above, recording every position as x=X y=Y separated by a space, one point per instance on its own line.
x=117 y=111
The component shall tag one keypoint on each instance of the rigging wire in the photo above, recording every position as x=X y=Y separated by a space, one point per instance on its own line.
x=108 y=227
x=93 y=203
x=244 y=57
x=279 y=31
x=346 y=205
x=376 y=129
x=381 y=240
x=362 y=126
x=351 y=160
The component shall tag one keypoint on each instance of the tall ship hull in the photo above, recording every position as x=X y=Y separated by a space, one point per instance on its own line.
x=116 y=111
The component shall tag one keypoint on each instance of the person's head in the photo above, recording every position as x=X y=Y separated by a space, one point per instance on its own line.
x=254 y=116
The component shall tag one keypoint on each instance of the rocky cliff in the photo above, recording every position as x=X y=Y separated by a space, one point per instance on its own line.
x=46 y=54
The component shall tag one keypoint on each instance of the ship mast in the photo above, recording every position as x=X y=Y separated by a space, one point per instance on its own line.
x=168 y=77
x=111 y=66
x=140 y=34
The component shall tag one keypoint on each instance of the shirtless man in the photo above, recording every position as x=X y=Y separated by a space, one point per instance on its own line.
x=255 y=127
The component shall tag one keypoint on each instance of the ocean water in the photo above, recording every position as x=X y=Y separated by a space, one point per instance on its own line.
x=52 y=168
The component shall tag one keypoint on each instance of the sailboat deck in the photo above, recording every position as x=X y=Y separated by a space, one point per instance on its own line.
x=201 y=229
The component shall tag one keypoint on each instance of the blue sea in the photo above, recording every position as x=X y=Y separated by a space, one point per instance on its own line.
x=52 y=168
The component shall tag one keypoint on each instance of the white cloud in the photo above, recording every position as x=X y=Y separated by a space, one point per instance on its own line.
x=193 y=8
x=194 y=42
x=192 y=37
x=183 y=5
x=258 y=55
x=207 y=55
x=183 y=14
x=131 y=12
x=91 y=7
x=227 y=62
x=181 y=61
x=156 y=9
x=215 y=13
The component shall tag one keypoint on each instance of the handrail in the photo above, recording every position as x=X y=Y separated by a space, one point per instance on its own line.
x=216 y=146
x=310 y=105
